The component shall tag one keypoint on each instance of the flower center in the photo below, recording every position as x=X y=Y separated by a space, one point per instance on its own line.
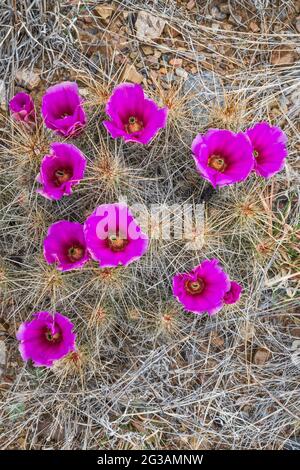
x=52 y=338
x=75 y=253
x=194 y=287
x=116 y=243
x=255 y=153
x=65 y=114
x=62 y=175
x=217 y=163
x=133 y=125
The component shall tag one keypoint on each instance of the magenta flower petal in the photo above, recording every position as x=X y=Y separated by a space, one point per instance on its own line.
x=61 y=170
x=46 y=338
x=65 y=245
x=223 y=157
x=113 y=237
x=233 y=294
x=22 y=108
x=62 y=109
x=269 y=148
x=134 y=117
x=202 y=289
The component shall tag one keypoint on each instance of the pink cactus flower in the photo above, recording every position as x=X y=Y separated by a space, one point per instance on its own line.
x=22 y=108
x=65 y=245
x=269 y=148
x=60 y=170
x=223 y=157
x=62 y=109
x=133 y=116
x=202 y=289
x=46 y=338
x=113 y=236
x=233 y=294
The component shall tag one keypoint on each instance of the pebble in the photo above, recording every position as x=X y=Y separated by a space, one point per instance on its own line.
x=236 y=19
x=254 y=27
x=2 y=95
x=151 y=59
x=261 y=356
x=2 y=357
x=157 y=54
x=295 y=332
x=207 y=85
x=147 y=50
x=104 y=11
x=169 y=77
x=163 y=70
x=190 y=5
x=217 y=14
x=225 y=8
x=295 y=345
x=177 y=62
x=28 y=79
x=215 y=26
x=180 y=72
x=148 y=26
x=131 y=74
x=283 y=55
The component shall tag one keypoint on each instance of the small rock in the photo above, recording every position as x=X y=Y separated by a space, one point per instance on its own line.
x=215 y=26
x=247 y=331
x=225 y=8
x=190 y=5
x=148 y=27
x=217 y=14
x=131 y=74
x=236 y=19
x=171 y=32
x=2 y=357
x=217 y=340
x=169 y=77
x=104 y=11
x=28 y=79
x=227 y=26
x=152 y=60
x=133 y=55
x=295 y=357
x=177 y=62
x=163 y=71
x=147 y=50
x=180 y=72
x=254 y=27
x=204 y=88
x=3 y=103
x=157 y=54
x=261 y=356
x=295 y=332
x=85 y=92
x=295 y=345
x=153 y=75
x=283 y=55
